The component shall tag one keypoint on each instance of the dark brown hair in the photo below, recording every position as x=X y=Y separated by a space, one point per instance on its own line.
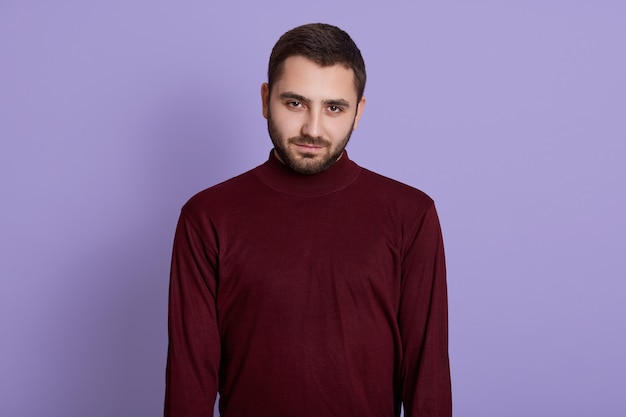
x=324 y=44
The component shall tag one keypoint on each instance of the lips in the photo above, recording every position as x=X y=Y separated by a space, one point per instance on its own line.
x=309 y=142
x=308 y=146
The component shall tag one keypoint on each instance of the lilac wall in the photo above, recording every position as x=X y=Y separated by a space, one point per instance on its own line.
x=510 y=114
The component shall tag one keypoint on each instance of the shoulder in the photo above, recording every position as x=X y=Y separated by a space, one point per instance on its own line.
x=392 y=190
x=391 y=203
x=221 y=196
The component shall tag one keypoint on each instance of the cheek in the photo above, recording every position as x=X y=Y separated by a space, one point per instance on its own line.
x=287 y=122
x=338 y=128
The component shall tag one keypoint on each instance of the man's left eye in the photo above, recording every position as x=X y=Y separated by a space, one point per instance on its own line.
x=334 y=109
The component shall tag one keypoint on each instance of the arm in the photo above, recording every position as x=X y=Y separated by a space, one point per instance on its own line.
x=194 y=347
x=423 y=322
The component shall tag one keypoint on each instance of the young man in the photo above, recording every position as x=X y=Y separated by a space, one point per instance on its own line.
x=309 y=286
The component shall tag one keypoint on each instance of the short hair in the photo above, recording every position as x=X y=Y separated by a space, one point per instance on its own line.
x=324 y=44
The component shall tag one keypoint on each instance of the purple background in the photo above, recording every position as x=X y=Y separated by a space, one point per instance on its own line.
x=511 y=114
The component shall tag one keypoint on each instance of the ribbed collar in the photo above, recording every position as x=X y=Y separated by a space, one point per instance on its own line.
x=278 y=176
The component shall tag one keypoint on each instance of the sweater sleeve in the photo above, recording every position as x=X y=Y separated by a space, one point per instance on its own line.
x=194 y=347
x=423 y=323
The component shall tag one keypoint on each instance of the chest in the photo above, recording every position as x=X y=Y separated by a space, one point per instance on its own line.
x=302 y=250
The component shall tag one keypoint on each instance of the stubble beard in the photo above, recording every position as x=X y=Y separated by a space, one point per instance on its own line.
x=305 y=163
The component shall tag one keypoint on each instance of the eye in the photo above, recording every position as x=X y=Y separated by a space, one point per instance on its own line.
x=294 y=104
x=335 y=109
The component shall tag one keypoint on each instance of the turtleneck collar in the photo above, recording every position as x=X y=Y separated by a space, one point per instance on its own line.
x=280 y=177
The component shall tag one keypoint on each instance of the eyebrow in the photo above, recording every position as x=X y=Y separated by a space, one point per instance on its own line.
x=331 y=102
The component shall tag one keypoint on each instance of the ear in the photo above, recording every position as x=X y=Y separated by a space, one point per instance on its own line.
x=265 y=98
x=359 y=112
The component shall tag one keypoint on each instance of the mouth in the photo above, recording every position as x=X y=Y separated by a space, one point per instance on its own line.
x=307 y=150
x=309 y=145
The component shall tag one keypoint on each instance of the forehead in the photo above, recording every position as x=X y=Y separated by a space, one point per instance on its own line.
x=305 y=77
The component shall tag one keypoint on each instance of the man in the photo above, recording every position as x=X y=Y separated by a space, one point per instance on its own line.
x=309 y=286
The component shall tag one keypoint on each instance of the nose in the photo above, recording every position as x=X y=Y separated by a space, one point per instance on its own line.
x=313 y=124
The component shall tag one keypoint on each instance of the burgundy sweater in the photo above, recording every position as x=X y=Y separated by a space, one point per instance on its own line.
x=320 y=295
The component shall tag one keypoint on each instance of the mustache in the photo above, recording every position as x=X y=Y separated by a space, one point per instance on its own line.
x=309 y=140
